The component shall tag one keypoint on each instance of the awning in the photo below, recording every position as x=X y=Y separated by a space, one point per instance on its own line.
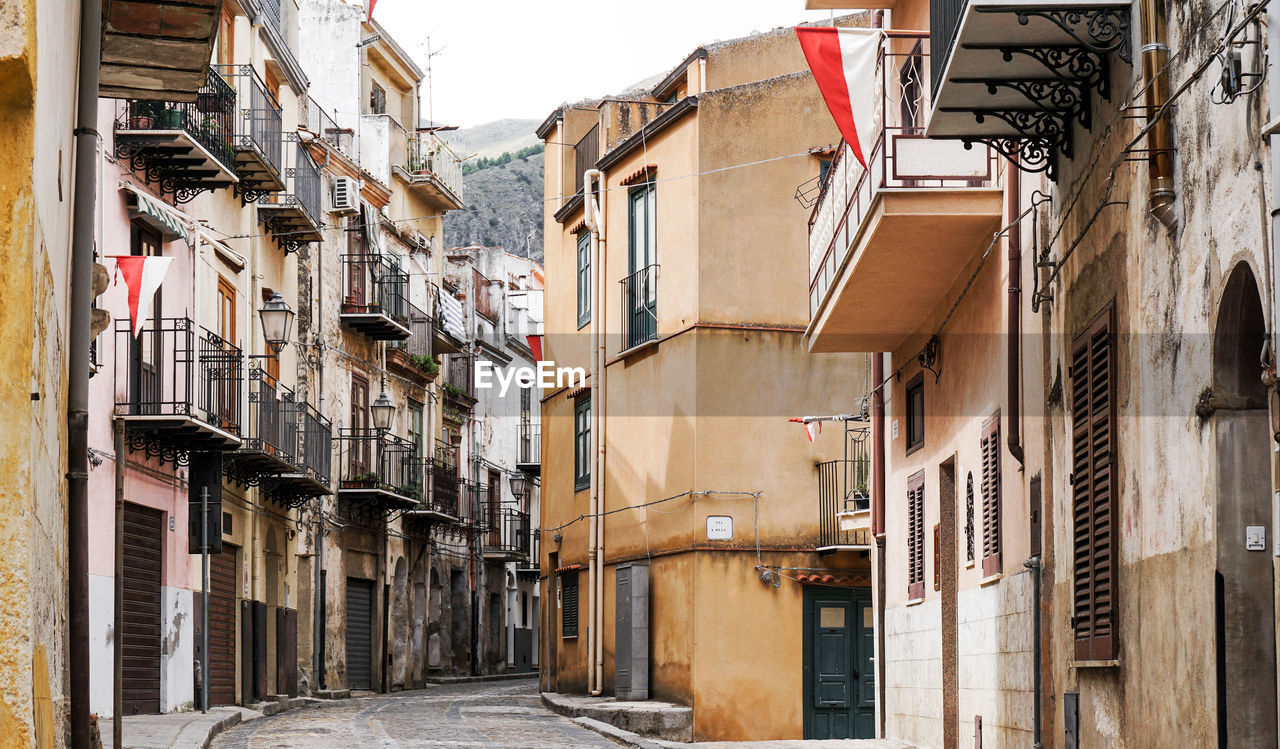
x=167 y=220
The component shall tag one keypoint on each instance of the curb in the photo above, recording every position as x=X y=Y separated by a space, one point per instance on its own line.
x=445 y=680
x=615 y=734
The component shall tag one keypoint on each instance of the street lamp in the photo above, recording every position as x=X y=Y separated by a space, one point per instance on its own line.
x=518 y=484
x=277 y=322
x=384 y=411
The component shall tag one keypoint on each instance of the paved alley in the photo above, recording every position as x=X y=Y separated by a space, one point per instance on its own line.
x=488 y=714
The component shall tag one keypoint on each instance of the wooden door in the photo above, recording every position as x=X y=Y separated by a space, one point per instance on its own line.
x=839 y=682
x=143 y=533
x=359 y=633
x=222 y=627
x=361 y=455
x=224 y=373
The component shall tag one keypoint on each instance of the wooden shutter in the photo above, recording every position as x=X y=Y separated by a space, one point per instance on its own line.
x=937 y=556
x=1093 y=484
x=915 y=536
x=568 y=604
x=990 y=456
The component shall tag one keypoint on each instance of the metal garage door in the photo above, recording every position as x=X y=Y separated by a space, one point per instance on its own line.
x=359 y=633
x=222 y=627
x=140 y=689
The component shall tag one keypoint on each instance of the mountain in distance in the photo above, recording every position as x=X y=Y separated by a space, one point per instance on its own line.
x=503 y=201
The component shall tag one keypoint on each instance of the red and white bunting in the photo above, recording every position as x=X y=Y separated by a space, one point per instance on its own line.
x=142 y=274
x=843 y=62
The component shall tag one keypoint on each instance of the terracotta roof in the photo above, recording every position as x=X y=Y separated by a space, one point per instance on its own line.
x=860 y=578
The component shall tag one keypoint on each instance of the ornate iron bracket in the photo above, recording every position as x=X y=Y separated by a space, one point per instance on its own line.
x=1054 y=94
x=153 y=446
x=1033 y=155
x=1101 y=30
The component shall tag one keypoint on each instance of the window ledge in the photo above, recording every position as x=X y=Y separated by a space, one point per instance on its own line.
x=968 y=565
x=991 y=579
x=914 y=602
x=623 y=354
x=568 y=637
x=1113 y=663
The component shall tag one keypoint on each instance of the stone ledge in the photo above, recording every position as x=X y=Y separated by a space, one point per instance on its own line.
x=332 y=694
x=651 y=719
x=442 y=680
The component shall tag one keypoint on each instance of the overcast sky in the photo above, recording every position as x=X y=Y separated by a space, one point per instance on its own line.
x=516 y=58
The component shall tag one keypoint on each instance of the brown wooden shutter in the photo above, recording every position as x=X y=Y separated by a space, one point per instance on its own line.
x=990 y=454
x=915 y=536
x=1094 y=491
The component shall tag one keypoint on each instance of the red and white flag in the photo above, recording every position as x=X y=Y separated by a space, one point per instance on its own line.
x=843 y=62
x=142 y=275
x=535 y=346
x=371 y=4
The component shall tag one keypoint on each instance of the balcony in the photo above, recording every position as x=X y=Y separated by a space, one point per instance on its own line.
x=375 y=302
x=287 y=444
x=448 y=322
x=185 y=148
x=258 y=133
x=432 y=170
x=886 y=243
x=324 y=128
x=178 y=388
x=529 y=564
x=293 y=216
x=156 y=50
x=1020 y=76
x=640 y=307
x=441 y=504
x=380 y=470
x=844 y=495
x=507 y=538
x=412 y=357
x=529 y=459
x=459 y=385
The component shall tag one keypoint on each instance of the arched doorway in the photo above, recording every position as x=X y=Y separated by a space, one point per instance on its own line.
x=273 y=560
x=400 y=624
x=419 y=624
x=1244 y=593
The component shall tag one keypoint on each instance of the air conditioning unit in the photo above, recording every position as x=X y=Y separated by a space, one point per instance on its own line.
x=346 y=195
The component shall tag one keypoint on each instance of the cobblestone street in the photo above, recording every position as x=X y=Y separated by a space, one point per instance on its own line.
x=492 y=714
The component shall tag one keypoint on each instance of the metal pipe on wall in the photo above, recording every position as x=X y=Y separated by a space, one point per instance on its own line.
x=117 y=616
x=877 y=525
x=78 y=341
x=1014 y=322
x=1155 y=55
x=594 y=217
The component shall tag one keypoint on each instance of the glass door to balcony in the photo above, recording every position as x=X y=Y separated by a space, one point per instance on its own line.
x=640 y=288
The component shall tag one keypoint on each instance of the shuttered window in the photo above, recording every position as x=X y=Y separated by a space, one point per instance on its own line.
x=989 y=449
x=915 y=536
x=584 y=278
x=1093 y=484
x=569 y=604
x=582 y=444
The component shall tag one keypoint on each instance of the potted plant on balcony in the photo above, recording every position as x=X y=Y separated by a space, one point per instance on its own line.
x=367 y=480
x=143 y=115
x=170 y=118
x=428 y=364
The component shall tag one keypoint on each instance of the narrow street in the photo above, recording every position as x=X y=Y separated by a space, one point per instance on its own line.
x=492 y=714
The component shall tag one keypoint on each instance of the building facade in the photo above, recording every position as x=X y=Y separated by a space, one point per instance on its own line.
x=1070 y=319
x=681 y=511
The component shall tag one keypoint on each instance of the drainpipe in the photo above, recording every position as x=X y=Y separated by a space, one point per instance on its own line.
x=1273 y=82
x=1155 y=54
x=877 y=525
x=1033 y=564
x=593 y=215
x=1014 y=377
x=78 y=340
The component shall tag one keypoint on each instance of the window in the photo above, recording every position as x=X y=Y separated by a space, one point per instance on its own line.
x=416 y=433
x=273 y=85
x=915 y=536
x=915 y=413
x=227 y=37
x=641 y=284
x=569 y=604
x=1093 y=487
x=226 y=310
x=582 y=444
x=584 y=278
x=990 y=452
x=377 y=100
x=361 y=454
x=824 y=166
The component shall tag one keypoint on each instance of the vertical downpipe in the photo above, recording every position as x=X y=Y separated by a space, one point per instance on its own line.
x=877 y=524
x=593 y=216
x=78 y=340
x=1014 y=374
x=1155 y=55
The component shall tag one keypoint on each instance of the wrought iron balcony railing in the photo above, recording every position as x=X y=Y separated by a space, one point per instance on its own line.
x=179 y=383
x=531 y=561
x=294 y=215
x=459 y=377
x=640 y=306
x=324 y=127
x=444 y=480
x=316 y=444
x=530 y=443
x=844 y=494
x=898 y=156
x=376 y=300
x=184 y=147
x=272 y=428
x=258 y=133
x=380 y=467
x=508 y=532
x=430 y=158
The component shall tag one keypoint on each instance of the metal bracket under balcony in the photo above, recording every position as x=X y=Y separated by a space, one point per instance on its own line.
x=1020 y=76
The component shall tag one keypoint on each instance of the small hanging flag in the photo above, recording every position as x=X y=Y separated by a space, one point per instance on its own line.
x=142 y=275
x=535 y=345
x=371 y=4
x=811 y=428
x=843 y=62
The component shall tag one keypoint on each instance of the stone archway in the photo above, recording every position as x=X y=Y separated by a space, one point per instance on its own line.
x=400 y=625
x=1244 y=593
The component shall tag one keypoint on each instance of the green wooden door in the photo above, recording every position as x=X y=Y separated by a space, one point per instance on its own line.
x=839 y=682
